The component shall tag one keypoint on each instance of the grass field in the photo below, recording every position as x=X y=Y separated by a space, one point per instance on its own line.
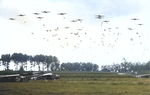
x=80 y=83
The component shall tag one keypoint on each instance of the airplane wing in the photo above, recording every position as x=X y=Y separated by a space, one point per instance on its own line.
x=52 y=76
x=143 y=76
x=15 y=77
x=10 y=78
x=6 y=76
x=47 y=76
x=27 y=76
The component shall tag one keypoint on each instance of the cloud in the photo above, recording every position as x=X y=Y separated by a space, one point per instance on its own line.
x=114 y=8
x=117 y=8
x=7 y=12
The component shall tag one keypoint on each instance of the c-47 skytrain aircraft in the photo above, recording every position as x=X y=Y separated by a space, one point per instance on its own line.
x=25 y=77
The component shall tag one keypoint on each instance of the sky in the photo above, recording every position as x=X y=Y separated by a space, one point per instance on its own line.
x=89 y=40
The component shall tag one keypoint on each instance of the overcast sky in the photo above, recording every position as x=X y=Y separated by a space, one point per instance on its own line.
x=90 y=40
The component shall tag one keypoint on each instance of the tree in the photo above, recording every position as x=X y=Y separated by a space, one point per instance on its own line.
x=79 y=66
x=37 y=60
x=21 y=70
x=55 y=64
x=95 y=67
x=20 y=58
x=42 y=60
x=31 y=59
x=48 y=61
x=105 y=68
x=24 y=60
x=89 y=66
x=6 y=60
x=15 y=58
x=0 y=62
x=83 y=66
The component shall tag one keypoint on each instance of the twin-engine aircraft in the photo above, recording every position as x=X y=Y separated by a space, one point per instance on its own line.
x=25 y=77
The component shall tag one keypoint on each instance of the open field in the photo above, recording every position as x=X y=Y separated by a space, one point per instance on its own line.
x=80 y=83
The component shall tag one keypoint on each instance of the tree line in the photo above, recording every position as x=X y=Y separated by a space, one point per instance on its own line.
x=48 y=62
x=82 y=66
x=127 y=67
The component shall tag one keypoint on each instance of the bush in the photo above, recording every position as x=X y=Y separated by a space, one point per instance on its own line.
x=95 y=79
